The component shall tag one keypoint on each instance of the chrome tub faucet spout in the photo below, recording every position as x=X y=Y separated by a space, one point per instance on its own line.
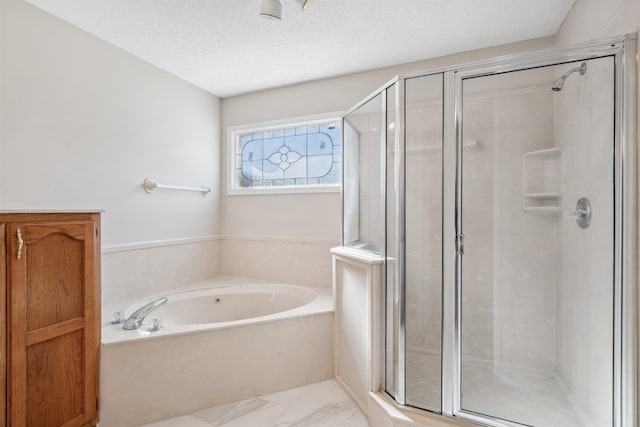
x=135 y=320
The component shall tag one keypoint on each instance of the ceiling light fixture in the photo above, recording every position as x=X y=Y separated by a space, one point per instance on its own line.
x=271 y=9
x=305 y=3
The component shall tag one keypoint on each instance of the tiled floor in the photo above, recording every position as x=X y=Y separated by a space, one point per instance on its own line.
x=537 y=401
x=531 y=400
x=322 y=404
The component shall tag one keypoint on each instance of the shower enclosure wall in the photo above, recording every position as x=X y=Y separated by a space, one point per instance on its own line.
x=502 y=196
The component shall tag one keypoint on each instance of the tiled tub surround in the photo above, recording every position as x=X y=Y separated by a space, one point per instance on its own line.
x=300 y=261
x=134 y=271
x=161 y=375
x=137 y=270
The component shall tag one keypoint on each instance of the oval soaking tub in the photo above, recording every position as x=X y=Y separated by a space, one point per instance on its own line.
x=230 y=303
x=222 y=340
x=220 y=303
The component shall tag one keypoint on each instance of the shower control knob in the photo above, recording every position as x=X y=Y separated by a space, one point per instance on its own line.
x=582 y=214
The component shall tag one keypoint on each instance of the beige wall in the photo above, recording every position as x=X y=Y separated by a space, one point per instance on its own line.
x=594 y=19
x=83 y=124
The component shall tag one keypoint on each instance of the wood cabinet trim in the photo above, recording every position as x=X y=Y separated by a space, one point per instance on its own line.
x=53 y=331
x=3 y=326
x=16 y=316
x=34 y=232
x=6 y=217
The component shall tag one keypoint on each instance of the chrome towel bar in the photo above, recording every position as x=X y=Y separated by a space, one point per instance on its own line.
x=149 y=185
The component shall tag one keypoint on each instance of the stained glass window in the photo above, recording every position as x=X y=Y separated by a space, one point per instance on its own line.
x=289 y=156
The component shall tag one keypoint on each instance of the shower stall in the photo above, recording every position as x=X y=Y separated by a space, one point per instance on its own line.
x=502 y=197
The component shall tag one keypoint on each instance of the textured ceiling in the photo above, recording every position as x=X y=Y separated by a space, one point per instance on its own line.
x=226 y=48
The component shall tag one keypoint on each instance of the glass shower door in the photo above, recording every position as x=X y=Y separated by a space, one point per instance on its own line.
x=536 y=308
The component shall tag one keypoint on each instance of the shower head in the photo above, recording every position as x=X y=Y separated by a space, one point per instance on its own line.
x=557 y=85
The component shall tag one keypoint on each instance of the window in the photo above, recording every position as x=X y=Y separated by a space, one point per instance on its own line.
x=299 y=157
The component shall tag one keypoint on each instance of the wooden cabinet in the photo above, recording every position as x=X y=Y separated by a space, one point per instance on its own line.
x=50 y=327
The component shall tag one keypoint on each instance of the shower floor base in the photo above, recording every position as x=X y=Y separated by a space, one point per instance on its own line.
x=537 y=401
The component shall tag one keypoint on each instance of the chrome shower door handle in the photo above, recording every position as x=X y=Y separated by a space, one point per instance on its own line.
x=460 y=244
x=20 y=244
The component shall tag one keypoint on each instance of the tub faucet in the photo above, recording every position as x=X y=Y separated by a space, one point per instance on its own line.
x=135 y=320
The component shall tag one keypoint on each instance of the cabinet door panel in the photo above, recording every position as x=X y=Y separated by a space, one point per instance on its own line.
x=55 y=387
x=55 y=289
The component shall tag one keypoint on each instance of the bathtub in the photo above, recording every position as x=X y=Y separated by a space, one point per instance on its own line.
x=222 y=340
x=220 y=303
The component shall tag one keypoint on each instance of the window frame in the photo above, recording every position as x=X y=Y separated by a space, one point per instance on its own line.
x=234 y=132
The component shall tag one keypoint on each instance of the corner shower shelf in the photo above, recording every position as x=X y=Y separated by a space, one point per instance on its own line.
x=542 y=181
x=545 y=196
x=551 y=210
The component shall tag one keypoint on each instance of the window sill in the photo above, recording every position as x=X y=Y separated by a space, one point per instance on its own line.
x=284 y=190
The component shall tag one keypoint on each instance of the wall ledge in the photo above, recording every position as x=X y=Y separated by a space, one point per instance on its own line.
x=279 y=239
x=134 y=246
x=124 y=247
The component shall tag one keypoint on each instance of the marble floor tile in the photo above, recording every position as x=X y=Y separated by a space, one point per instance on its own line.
x=322 y=404
x=181 y=421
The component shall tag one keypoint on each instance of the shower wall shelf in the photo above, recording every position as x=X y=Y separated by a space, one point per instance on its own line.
x=542 y=181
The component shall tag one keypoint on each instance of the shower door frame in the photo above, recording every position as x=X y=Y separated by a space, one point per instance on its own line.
x=623 y=50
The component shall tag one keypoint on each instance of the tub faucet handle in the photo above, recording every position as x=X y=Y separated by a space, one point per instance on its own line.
x=155 y=325
x=118 y=317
